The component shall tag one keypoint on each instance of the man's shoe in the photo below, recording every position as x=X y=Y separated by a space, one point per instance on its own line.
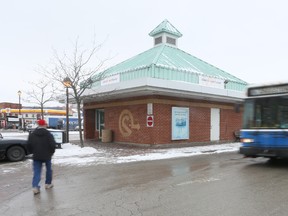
x=48 y=186
x=36 y=190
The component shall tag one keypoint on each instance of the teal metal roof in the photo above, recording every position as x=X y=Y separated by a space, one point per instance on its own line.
x=165 y=26
x=171 y=63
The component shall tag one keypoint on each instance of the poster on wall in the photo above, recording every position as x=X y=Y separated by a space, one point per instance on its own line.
x=180 y=123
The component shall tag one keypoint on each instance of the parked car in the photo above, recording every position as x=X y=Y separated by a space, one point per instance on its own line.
x=12 y=148
x=77 y=128
x=31 y=127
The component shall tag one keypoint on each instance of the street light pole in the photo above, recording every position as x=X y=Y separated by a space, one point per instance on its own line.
x=67 y=84
x=19 y=106
x=67 y=115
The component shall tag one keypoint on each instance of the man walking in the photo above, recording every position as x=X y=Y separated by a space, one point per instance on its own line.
x=41 y=144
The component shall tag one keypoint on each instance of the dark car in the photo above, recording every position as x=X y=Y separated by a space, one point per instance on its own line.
x=14 y=149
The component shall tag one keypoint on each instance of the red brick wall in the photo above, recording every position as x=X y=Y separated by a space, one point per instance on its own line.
x=128 y=122
x=199 y=124
x=89 y=124
x=10 y=105
x=230 y=121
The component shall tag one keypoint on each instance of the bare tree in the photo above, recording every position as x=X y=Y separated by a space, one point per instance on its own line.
x=41 y=93
x=81 y=69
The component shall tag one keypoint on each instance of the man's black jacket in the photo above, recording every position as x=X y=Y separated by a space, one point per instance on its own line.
x=41 y=144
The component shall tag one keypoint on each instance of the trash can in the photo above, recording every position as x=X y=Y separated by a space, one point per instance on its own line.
x=106 y=135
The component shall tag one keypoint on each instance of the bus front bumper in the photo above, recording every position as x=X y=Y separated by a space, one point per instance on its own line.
x=264 y=152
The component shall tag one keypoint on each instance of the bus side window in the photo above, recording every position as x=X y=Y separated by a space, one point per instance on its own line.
x=283 y=116
x=258 y=116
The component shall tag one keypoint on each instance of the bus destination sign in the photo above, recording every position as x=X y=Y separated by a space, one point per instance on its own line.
x=268 y=90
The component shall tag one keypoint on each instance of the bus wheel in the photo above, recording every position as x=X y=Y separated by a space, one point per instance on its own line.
x=273 y=159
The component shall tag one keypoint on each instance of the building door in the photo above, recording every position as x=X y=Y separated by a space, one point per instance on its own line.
x=100 y=121
x=215 y=124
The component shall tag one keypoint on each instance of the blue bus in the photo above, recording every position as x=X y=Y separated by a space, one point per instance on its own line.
x=265 y=121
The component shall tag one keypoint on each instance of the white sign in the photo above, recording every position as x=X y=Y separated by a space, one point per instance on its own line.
x=111 y=79
x=150 y=109
x=211 y=82
x=10 y=119
x=58 y=136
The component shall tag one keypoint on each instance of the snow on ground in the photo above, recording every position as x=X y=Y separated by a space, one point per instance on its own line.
x=72 y=154
x=180 y=152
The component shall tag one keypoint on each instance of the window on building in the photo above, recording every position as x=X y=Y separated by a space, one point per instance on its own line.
x=158 y=40
x=171 y=40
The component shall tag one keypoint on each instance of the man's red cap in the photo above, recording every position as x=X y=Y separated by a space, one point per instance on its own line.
x=41 y=122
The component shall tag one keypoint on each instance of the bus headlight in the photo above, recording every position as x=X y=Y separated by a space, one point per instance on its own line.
x=247 y=140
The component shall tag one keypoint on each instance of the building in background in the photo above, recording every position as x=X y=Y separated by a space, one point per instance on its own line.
x=12 y=113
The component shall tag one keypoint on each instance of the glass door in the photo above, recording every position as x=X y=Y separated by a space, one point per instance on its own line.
x=100 y=124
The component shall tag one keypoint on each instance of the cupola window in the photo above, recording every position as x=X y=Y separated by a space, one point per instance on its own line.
x=170 y=40
x=165 y=33
x=158 y=40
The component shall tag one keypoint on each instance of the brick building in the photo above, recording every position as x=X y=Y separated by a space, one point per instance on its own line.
x=164 y=95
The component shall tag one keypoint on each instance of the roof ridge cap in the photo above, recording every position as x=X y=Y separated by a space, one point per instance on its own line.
x=155 y=60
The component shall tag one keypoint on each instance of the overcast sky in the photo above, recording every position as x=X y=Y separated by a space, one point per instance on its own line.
x=246 y=38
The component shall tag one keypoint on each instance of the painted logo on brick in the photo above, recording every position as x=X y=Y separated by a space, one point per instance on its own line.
x=127 y=123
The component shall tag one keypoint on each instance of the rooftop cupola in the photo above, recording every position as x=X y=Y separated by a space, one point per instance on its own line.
x=165 y=33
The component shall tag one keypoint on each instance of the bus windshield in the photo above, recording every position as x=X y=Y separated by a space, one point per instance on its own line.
x=266 y=112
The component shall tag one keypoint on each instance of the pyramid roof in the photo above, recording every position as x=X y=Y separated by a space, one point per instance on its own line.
x=170 y=63
x=169 y=71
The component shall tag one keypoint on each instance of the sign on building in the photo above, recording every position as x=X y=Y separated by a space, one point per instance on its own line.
x=150 y=121
x=180 y=123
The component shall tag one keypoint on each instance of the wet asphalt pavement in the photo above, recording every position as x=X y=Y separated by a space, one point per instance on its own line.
x=218 y=184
